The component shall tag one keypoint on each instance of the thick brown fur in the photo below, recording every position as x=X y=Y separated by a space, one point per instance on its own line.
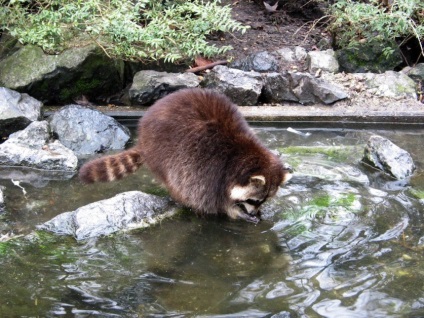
x=196 y=142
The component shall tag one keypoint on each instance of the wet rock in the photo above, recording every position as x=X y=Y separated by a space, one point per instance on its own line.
x=322 y=60
x=243 y=88
x=258 y=62
x=369 y=57
x=149 y=86
x=388 y=157
x=300 y=87
x=31 y=148
x=391 y=84
x=125 y=211
x=60 y=78
x=88 y=131
x=17 y=111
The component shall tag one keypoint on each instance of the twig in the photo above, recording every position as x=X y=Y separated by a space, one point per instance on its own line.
x=205 y=67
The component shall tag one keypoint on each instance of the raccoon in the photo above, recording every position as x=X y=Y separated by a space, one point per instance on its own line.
x=197 y=143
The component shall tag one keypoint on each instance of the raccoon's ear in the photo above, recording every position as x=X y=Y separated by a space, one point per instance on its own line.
x=258 y=180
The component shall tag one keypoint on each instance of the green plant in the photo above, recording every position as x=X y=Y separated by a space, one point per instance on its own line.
x=353 y=22
x=137 y=30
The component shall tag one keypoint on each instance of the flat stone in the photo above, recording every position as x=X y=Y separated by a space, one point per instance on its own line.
x=125 y=211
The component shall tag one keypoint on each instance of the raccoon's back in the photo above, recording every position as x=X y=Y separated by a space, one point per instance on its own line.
x=189 y=140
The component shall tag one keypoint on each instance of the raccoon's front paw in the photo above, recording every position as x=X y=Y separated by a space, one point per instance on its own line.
x=239 y=211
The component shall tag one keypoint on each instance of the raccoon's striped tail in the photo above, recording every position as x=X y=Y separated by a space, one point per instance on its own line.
x=111 y=167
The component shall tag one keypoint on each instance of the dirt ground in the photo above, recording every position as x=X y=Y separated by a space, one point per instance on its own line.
x=272 y=31
x=293 y=27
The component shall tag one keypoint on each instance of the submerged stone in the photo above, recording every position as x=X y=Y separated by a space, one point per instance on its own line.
x=384 y=155
x=125 y=211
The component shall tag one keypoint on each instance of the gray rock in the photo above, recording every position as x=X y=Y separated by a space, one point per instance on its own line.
x=290 y=55
x=369 y=57
x=30 y=148
x=60 y=78
x=17 y=111
x=300 y=87
x=258 y=62
x=88 y=131
x=243 y=88
x=125 y=211
x=391 y=84
x=388 y=157
x=149 y=86
x=278 y=88
x=322 y=60
x=417 y=72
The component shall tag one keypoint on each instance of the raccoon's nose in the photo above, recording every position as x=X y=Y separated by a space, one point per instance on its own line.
x=288 y=168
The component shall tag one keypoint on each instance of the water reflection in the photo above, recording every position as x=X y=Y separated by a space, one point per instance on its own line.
x=338 y=240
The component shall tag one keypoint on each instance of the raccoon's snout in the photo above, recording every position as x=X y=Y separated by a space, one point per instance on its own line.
x=250 y=212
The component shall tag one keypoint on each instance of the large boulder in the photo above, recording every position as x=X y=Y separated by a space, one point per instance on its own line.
x=58 y=79
x=31 y=148
x=300 y=87
x=243 y=88
x=88 y=131
x=125 y=211
x=17 y=111
x=384 y=155
x=149 y=86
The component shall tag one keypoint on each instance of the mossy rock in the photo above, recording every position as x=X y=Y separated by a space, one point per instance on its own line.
x=58 y=79
x=369 y=57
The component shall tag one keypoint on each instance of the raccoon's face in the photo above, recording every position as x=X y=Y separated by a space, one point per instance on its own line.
x=247 y=199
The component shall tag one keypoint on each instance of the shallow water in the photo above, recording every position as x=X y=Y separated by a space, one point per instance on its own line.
x=339 y=240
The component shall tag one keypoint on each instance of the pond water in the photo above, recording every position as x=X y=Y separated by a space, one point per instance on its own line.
x=339 y=240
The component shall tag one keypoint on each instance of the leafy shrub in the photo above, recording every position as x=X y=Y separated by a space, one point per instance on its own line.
x=137 y=30
x=353 y=22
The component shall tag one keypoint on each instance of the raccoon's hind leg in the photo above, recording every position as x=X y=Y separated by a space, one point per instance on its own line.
x=111 y=167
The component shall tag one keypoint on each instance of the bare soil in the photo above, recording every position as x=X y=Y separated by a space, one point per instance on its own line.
x=272 y=31
x=294 y=27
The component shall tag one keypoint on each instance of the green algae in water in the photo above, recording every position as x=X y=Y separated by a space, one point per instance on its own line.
x=328 y=206
x=419 y=194
x=336 y=153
